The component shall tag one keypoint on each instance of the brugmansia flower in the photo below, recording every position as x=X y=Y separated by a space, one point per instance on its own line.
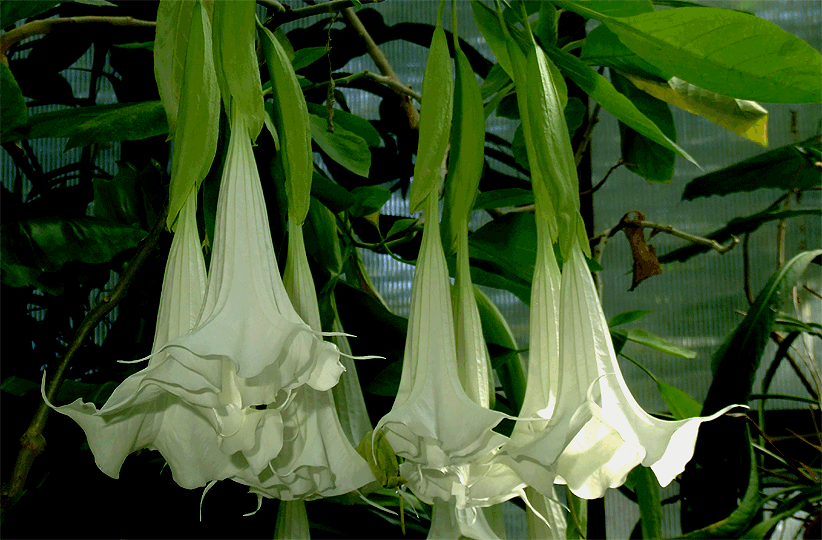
x=150 y=409
x=316 y=459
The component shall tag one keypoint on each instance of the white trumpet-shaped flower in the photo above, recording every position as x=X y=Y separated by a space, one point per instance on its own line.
x=159 y=413
x=433 y=422
x=620 y=435
x=316 y=459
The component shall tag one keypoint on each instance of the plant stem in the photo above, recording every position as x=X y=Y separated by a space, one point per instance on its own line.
x=382 y=64
x=586 y=136
x=32 y=442
x=667 y=229
x=45 y=26
x=382 y=79
x=286 y=14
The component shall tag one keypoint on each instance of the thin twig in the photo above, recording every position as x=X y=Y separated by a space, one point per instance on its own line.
x=32 y=442
x=746 y=269
x=667 y=229
x=287 y=14
x=273 y=4
x=45 y=26
x=586 y=136
x=22 y=160
x=382 y=64
x=382 y=79
x=618 y=164
x=813 y=292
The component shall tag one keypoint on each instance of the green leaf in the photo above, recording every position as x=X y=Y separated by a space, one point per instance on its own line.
x=174 y=20
x=126 y=198
x=643 y=156
x=509 y=243
x=736 y=227
x=807 y=497
x=723 y=51
x=500 y=198
x=12 y=11
x=19 y=387
x=321 y=240
x=643 y=481
x=679 y=403
x=148 y=45
x=306 y=56
x=100 y=123
x=435 y=120
x=736 y=362
x=627 y=317
x=400 y=226
x=369 y=199
x=353 y=123
x=786 y=323
x=198 y=115
x=13 y=111
x=331 y=194
x=130 y=123
x=466 y=161
x=745 y=118
x=293 y=125
x=637 y=335
x=349 y=150
x=31 y=247
x=602 y=47
x=98 y=394
x=604 y=93
x=781 y=168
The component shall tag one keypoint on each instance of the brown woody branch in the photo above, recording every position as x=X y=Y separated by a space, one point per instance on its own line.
x=32 y=442
x=45 y=26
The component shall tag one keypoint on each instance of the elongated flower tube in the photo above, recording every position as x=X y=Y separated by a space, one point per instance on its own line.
x=433 y=421
x=152 y=408
x=620 y=435
x=316 y=459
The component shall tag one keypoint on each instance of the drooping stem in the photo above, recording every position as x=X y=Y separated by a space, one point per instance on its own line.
x=382 y=79
x=32 y=442
x=383 y=65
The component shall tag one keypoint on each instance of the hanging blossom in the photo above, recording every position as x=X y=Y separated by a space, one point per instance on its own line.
x=316 y=459
x=159 y=413
x=594 y=431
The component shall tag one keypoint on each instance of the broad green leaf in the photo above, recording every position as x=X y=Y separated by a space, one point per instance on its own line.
x=98 y=394
x=331 y=194
x=13 y=111
x=643 y=156
x=643 y=481
x=736 y=362
x=353 y=123
x=496 y=80
x=435 y=120
x=19 y=387
x=807 y=497
x=602 y=47
x=737 y=227
x=782 y=168
x=637 y=335
x=496 y=331
x=501 y=198
x=575 y=114
x=627 y=317
x=723 y=51
x=376 y=450
x=679 y=403
x=321 y=240
x=126 y=198
x=307 y=56
x=198 y=115
x=369 y=199
x=294 y=127
x=466 y=161
x=129 y=123
x=32 y=247
x=509 y=243
x=546 y=29
x=604 y=93
x=745 y=118
x=497 y=278
x=235 y=61
x=12 y=11
x=400 y=226
x=349 y=150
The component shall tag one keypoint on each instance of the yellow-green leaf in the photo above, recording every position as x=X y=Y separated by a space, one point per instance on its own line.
x=745 y=118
